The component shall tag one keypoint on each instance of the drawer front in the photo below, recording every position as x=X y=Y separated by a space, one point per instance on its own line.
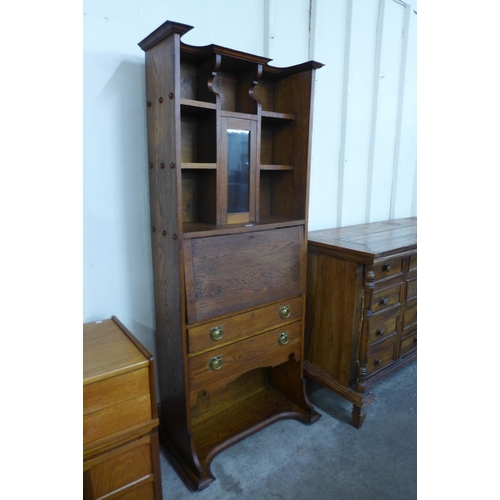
x=409 y=344
x=381 y=358
x=411 y=291
x=383 y=330
x=410 y=317
x=120 y=468
x=388 y=268
x=116 y=418
x=413 y=263
x=386 y=298
x=220 y=366
x=234 y=328
x=115 y=390
x=227 y=273
x=144 y=492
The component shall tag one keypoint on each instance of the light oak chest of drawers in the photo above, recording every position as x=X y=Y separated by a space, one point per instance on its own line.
x=361 y=312
x=120 y=437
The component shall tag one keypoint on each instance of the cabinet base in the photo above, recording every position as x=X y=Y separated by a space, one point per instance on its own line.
x=212 y=435
x=397 y=365
x=359 y=400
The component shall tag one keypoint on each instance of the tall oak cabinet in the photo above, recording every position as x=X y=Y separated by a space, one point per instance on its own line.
x=229 y=141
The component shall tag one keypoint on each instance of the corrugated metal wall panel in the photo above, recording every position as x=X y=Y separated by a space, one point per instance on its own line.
x=364 y=140
x=328 y=47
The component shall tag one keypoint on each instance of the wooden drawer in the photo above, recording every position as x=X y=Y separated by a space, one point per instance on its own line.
x=413 y=263
x=124 y=468
x=117 y=418
x=409 y=344
x=115 y=390
x=381 y=358
x=388 y=268
x=411 y=290
x=227 y=273
x=240 y=357
x=383 y=330
x=410 y=317
x=384 y=299
x=233 y=328
x=144 y=492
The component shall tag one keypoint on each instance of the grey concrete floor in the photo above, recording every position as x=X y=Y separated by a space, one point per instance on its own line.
x=329 y=460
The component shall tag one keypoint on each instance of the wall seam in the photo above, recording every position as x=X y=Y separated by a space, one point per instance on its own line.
x=399 y=116
x=343 y=121
x=373 y=126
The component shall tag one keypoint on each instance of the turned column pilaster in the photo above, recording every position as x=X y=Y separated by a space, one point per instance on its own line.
x=368 y=287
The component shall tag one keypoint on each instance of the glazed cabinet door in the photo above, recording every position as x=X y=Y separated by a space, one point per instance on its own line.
x=237 y=185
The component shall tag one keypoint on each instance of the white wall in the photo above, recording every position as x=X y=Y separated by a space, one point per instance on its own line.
x=364 y=139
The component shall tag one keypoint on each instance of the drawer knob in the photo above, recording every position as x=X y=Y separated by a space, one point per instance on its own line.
x=215 y=363
x=380 y=331
x=378 y=362
x=384 y=302
x=285 y=311
x=387 y=267
x=283 y=338
x=216 y=332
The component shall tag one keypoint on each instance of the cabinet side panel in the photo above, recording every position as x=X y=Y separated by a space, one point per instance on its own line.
x=333 y=314
x=295 y=95
x=163 y=91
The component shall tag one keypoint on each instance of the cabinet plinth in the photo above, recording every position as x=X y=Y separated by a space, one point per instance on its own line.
x=229 y=154
x=361 y=319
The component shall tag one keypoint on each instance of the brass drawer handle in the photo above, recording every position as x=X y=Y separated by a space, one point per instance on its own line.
x=215 y=363
x=285 y=311
x=216 y=332
x=283 y=338
x=378 y=362
x=380 y=331
x=387 y=268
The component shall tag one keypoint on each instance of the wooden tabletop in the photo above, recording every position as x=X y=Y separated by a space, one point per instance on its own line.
x=373 y=240
x=107 y=352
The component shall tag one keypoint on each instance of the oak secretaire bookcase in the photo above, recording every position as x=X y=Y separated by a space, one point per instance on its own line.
x=229 y=142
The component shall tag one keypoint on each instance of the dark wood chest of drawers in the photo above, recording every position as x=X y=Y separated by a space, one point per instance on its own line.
x=120 y=424
x=361 y=313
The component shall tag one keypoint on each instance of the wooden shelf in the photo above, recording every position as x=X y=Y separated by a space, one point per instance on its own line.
x=237 y=114
x=191 y=103
x=277 y=116
x=204 y=166
x=215 y=431
x=276 y=167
